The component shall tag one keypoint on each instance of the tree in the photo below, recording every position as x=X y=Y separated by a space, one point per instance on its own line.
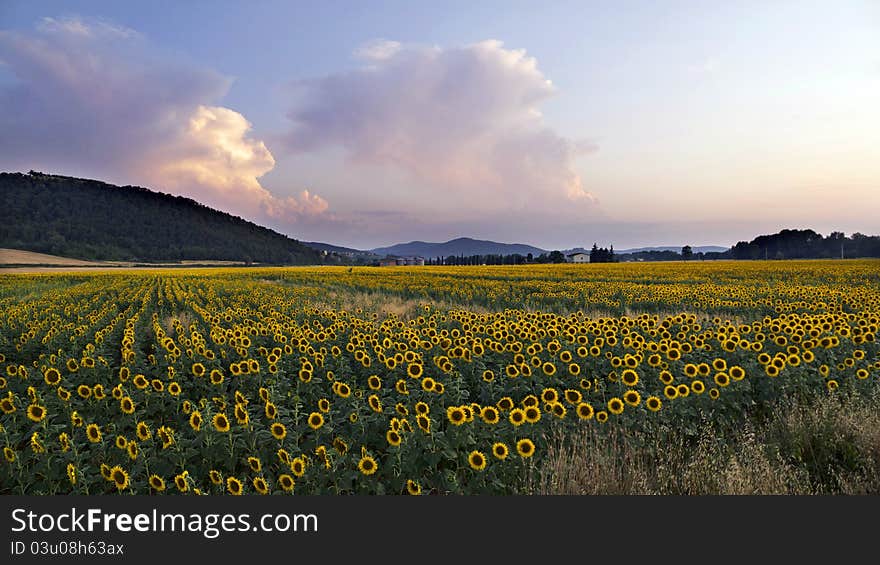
x=557 y=256
x=687 y=253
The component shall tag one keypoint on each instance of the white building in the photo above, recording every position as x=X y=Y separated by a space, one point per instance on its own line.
x=578 y=257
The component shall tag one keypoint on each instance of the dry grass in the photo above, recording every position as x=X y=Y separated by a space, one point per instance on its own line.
x=828 y=446
x=19 y=257
x=32 y=262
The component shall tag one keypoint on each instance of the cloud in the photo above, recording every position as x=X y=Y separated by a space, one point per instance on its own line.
x=464 y=121
x=95 y=98
x=377 y=50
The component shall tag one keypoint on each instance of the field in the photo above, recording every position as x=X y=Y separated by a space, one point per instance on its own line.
x=20 y=261
x=436 y=380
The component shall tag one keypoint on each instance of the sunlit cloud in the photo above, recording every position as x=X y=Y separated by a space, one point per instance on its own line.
x=97 y=99
x=460 y=121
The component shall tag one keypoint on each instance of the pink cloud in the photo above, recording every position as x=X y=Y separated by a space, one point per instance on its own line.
x=464 y=120
x=96 y=99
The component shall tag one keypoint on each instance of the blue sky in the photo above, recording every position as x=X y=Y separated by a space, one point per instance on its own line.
x=551 y=123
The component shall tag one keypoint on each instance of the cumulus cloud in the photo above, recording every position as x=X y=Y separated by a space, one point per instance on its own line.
x=95 y=98
x=464 y=120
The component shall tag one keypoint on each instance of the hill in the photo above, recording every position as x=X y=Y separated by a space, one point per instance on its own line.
x=338 y=249
x=92 y=220
x=677 y=249
x=461 y=246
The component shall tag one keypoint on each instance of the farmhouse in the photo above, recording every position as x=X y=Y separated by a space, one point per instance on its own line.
x=578 y=257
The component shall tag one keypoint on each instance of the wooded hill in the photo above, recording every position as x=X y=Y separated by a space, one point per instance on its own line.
x=89 y=219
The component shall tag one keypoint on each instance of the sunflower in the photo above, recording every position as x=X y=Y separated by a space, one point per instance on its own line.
x=93 y=432
x=165 y=434
x=532 y=414
x=490 y=415
x=525 y=448
x=198 y=370
x=221 y=423
x=9 y=454
x=456 y=415
x=260 y=485
x=157 y=483
x=477 y=460
x=233 y=486
x=7 y=405
x=714 y=393
x=572 y=396
x=548 y=368
x=340 y=446
x=393 y=437
x=324 y=405
x=601 y=416
x=424 y=423
x=286 y=482
x=737 y=373
x=517 y=416
x=500 y=450
x=143 y=431
x=414 y=370
x=698 y=387
x=367 y=465
x=374 y=382
x=558 y=409
x=36 y=413
x=121 y=442
x=119 y=477
x=132 y=448
x=84 y=391
x=375 y=403
x=64 y=441
x=422 y=408
x=615 y=406
x=63 y=393
x=832 y=384
x=722 y=379
x=181 y=482
x=670 y=392
x=629 y=377
x=315 y=420
x=71 y=473
x=52 y=376
x=549 y=395
x=505 y=404
x=216 y=377
x=140 y=381
x=215 y=477
x=632 y=397
x=653 y=403
x=279 y=431
x=343 y=390
x=413 y=488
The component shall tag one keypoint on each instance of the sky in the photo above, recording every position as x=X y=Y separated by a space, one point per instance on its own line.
x=557 y=124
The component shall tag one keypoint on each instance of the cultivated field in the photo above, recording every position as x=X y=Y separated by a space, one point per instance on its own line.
x=547 y=378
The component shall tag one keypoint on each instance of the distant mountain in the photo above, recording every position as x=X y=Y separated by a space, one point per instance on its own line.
x=92 y=220
x=461 y=246
x=677 y=249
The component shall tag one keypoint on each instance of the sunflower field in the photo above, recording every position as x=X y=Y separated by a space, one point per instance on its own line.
x=402 y=380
